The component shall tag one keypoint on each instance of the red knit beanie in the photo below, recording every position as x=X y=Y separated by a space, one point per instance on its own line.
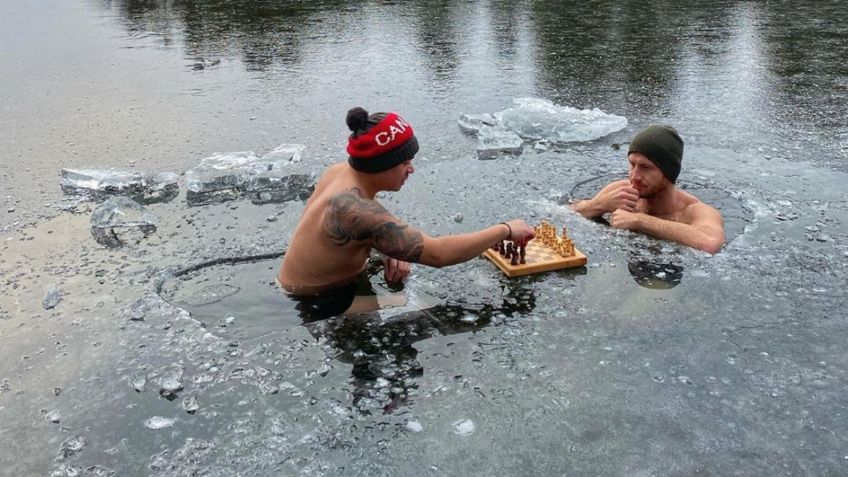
x=379 y=141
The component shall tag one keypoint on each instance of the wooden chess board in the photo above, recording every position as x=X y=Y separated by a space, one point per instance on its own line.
x=538 y=257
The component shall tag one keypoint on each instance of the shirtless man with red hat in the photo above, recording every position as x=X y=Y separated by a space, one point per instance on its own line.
x=342 y=221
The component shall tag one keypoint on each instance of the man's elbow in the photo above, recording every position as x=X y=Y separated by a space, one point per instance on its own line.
x=711 y=245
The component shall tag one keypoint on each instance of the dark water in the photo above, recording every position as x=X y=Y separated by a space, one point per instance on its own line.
x=652 y=360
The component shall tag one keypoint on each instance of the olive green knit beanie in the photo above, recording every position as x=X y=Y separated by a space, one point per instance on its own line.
x=663 y=146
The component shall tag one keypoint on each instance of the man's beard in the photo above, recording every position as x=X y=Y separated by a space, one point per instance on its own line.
x=649 y=193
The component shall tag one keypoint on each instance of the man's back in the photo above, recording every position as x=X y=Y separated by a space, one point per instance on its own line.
x=313 y=262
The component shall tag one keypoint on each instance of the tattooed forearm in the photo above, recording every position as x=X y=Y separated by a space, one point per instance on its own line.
x=350 y=217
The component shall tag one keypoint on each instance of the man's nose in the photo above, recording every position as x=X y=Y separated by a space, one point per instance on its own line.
x=635 y=174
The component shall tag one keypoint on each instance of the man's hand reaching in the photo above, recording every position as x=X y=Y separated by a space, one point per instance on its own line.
x=396 y=270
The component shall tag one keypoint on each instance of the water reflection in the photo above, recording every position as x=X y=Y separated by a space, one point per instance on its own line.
x=766 y=62
x=261 y=33
x=654 y=274
x=385 y=365
x=378 y=345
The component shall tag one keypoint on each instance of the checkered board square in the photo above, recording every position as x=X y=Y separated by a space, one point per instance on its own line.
x=539 y=259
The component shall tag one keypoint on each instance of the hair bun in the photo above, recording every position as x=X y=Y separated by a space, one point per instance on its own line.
x=356 y=118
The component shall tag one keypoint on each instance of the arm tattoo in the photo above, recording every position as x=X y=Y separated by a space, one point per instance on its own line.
x=350 y=217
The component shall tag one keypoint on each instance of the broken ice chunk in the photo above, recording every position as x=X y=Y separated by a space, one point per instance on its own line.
x=158 y=422
x=120 y=220
x=285 y=153
x=51 y=298
x=224 y=177
x=537 y=118
x=496 y=143
x=279 y=186
x=99 y=184
x=220 y=177
x=473 y=123
x=171 y=382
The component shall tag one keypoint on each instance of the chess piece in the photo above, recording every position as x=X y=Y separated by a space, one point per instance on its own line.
x=514 y=260
x=522 y=259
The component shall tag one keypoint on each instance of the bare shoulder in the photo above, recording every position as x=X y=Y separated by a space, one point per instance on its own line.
x=351 y=217
x=331 y=173
x=352 y=202
x=696 y=211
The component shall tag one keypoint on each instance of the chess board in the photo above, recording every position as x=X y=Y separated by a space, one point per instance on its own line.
x=539 y=259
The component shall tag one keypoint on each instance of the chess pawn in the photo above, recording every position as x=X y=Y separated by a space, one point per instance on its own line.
x=564 y=232
x=514 y=260
x=521 y=257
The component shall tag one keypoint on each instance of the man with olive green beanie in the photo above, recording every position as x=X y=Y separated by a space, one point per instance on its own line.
x=648 y=200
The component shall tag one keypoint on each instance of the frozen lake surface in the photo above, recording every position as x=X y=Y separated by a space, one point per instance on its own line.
x=175 y=354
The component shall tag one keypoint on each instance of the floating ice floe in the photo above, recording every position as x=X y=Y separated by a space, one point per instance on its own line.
x=463 y=427
x=473 y=123
x=538 y=120
x=138 y=382
x=190 y=404
x=51 y=298
x=495 y=143
x=269 y=178
x=100 y=184
x=171 y=382
x=414 y=426
x=71 y=446
x=120 y=220
x=53 y=416
x=158 y=422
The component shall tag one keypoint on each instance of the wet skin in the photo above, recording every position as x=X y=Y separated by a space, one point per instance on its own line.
x=648 y=202
x=342 y=223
